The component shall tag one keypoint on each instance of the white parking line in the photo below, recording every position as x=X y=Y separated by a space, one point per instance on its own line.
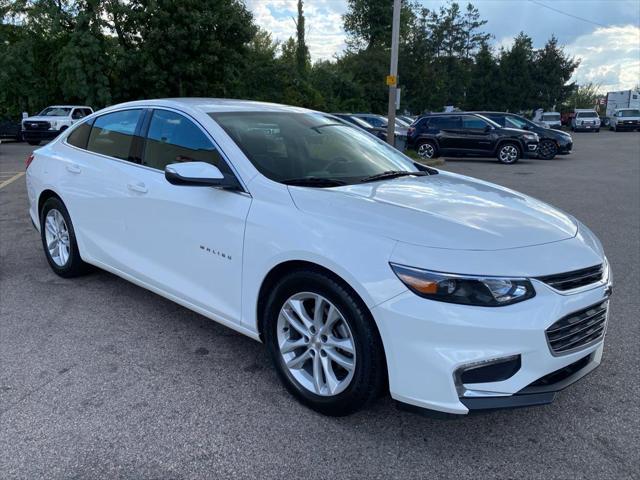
x=11 y=180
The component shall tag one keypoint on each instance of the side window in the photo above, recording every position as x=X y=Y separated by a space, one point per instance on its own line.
x=77 y=114
x=375 y=121
x=473 y=123
x=444 y=122
x=87 y=111
x=500 y=120
x=112 y=133
x=80 y=135
x=173 y=138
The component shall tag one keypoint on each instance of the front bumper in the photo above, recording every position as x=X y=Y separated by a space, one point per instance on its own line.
x=39 y=135
x=628 y=125
x=586 y=127
x=428 y=342
x=530 y=150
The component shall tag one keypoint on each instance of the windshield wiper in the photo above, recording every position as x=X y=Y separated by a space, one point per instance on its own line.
x=391 y=174
x=314 y=182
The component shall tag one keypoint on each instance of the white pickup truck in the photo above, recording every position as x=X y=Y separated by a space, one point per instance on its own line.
x=51 y=121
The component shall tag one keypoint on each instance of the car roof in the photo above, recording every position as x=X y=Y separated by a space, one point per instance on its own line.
x=210 y=105
x=68 y=106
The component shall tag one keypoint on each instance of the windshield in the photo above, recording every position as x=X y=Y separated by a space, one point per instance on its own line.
x=551 y=117
x=586 y=114
x=285 y=146
x=55 y=112
x=629 y=113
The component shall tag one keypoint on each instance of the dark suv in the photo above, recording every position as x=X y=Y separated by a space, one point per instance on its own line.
x=461 y=134
x=552 y=141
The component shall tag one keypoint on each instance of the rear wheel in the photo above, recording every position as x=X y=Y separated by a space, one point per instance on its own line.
x=427 y=150
x=323 y=343
x=547 y=150
x=508 y=153
x=59 y=240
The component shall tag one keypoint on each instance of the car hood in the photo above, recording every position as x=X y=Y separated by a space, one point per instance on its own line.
x=443 y=211
x=44 y=119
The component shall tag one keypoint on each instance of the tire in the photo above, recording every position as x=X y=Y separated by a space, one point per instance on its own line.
x=547 y=150
x=56 y=226
x=427 y=149
x=349 y=389
x=33 y=143
x=508 y=153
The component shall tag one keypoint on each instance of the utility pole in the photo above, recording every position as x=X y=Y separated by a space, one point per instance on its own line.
x=392 y=79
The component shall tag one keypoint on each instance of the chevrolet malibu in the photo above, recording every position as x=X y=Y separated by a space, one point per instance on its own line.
x=362 y=271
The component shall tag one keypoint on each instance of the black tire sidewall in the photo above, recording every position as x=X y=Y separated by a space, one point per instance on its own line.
x=74 y=266
x=428 y=142
x=555 y=149
x=364 y=385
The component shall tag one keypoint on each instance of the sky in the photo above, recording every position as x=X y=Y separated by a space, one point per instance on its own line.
x=604 y=34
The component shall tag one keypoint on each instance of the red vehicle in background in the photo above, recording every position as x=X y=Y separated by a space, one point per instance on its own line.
x=566 y=117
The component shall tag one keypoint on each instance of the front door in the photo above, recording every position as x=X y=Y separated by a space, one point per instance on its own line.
x=189 y=240
x=475 y=135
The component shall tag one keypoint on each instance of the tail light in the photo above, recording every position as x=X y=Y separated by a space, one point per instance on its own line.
x=28 y=161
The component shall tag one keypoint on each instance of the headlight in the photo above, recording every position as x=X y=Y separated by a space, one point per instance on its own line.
x=464 y=289
x=531 y=136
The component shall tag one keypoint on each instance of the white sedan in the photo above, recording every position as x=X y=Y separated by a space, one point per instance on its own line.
x=362 y=271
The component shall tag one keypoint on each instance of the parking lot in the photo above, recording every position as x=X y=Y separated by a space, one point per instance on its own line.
x=102 y=379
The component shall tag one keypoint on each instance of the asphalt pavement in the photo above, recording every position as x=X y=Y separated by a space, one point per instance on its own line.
x=102 y=379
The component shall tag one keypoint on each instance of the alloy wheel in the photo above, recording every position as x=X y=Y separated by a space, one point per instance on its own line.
x=316 y=344
x=508 y=154
x=57 y=237
x=426 y=150
x=548 y=150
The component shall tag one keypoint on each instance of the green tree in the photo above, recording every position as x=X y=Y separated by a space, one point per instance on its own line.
x=517 y=76
x=552 y=70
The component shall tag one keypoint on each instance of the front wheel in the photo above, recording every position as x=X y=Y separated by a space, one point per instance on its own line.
x=547 y=150
x=508 y=153
x=323 y=343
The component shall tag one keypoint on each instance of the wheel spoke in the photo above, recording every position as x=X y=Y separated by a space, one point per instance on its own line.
x=51 y=226
x=344 y=344
x=332 y=316
x=52 y=244
x=343 y=361
x=318 y=381
x=291 y=345
x=331 y=381
x=294 y=322
x=298 y=362
x=318 y=312
x=298 y=308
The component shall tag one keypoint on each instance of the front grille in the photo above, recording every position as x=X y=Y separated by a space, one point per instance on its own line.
x=574 y=279
x=37 y=125
x=578 y=329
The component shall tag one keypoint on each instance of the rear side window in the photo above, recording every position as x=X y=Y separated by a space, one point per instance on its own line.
x=80 y=135
x=112 y=134
x=500 y=120
x=443 y=123
x=173 y=138
x=473 y=123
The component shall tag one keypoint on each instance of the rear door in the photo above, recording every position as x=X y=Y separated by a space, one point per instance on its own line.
x=94 y=185
x=446 y=129
x=186 y=241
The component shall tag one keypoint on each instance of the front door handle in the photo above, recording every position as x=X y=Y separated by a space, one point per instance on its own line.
x=73 y=168
x=137 y=187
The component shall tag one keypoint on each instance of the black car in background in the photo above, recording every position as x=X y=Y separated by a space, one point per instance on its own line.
x=380 y=132
x=469 y=134
x=552 y=141
x=10 y=129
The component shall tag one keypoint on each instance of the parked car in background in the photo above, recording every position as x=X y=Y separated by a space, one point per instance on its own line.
x=362 y=271
x=381 y=122
x=585 y=119
x=625 y=119
x=10 y=129
x=50 y=122
x=550 y=120
x=552 y=141
x=618 y=100
x=470 y=134
x=407 y=119
x=379 y=132
x=566 y=118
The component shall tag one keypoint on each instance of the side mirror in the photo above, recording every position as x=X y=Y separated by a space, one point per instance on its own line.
x=198 y=174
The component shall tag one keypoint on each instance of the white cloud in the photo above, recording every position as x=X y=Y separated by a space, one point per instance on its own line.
x=610 y=57
x=323 y=23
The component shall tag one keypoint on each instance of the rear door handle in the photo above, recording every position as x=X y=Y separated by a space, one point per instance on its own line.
x=73 y=168
x=137 y=187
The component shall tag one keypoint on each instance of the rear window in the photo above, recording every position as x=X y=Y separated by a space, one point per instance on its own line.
x=112 y=133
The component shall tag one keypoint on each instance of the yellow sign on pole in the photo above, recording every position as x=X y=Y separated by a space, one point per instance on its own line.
x=392 y=80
